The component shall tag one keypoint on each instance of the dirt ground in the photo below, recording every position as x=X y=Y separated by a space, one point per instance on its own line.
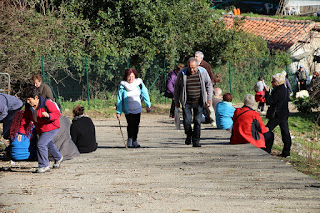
x=164 y=175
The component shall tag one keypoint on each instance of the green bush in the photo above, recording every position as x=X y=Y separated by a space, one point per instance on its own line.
x=304 y=105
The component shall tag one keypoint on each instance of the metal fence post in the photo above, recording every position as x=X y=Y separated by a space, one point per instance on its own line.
x=87 y=82
x=259 y=67
x=165 y=79
x=230 y=76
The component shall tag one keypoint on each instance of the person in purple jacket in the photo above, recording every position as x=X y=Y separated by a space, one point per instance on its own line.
x=9 y=105
x=169 y=93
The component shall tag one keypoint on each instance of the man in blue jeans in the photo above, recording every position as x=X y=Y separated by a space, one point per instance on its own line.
x=193 y=89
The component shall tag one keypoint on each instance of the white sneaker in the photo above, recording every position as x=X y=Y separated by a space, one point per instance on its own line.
x=129 y=143
x=136 y=144
x=43 y=169
x=57 y=163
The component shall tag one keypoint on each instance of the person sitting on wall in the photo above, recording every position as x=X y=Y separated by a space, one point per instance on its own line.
x=224 y=112
x=249 y=128
x=216 y=98
x=83 y=131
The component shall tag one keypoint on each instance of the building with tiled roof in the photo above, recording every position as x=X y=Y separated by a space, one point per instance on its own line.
x=301 y=38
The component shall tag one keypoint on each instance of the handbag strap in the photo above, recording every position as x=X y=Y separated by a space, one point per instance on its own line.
x=241 y=114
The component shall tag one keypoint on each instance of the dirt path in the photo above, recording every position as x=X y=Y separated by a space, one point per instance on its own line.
x=165 y=175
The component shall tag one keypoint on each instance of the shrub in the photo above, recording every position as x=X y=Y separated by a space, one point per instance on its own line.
x=304 y=105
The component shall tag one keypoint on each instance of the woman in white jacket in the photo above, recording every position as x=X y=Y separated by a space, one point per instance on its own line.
x=130 y=92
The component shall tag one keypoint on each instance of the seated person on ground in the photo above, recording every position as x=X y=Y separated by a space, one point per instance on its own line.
x=63 y=140
x=83 y=132
x=249 y=128
x=224 y=112
x=24 y=149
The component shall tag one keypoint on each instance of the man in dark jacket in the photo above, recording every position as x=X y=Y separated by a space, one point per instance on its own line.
x=278 y=103
x=209 y=113
x=302 y=77
x=202 y=63
x=45 y=90
x=9 y=105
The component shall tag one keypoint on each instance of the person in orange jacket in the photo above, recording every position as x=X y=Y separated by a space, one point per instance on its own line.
x=249 y=128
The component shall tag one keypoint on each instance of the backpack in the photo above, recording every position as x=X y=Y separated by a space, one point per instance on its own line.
x=46 y=108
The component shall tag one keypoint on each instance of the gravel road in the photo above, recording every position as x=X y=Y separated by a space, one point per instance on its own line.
x=164 y=175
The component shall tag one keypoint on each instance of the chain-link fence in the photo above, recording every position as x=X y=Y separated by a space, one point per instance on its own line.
x=85 y=78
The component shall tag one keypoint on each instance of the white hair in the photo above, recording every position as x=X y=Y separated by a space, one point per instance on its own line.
x=192 y=59
x=280 y=79
x=217 y=91
x=284 y=73
x=248 y=100
x=200 y=54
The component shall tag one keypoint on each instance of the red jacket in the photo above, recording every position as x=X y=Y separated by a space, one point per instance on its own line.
x=243 y=128
x=260 y=97
x=42 y=124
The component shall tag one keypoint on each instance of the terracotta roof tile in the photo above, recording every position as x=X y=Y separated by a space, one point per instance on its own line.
x=279 y=33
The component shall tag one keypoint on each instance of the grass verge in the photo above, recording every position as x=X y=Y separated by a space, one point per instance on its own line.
x=305 y=149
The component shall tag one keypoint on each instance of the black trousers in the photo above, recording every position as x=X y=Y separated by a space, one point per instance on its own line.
x=286 y=137
x=303 y=85
x=269 y=138
x=133 y=121
x=172 y=108
x=261 y=106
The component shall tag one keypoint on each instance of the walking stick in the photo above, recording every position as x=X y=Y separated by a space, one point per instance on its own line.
x=122 y=134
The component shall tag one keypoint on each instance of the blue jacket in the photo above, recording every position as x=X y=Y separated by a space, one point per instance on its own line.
x=122 y=105
x=224 y=113
x=24 y=149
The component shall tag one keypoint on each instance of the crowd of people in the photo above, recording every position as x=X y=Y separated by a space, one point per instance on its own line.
x=40 y=132
x=195 y=90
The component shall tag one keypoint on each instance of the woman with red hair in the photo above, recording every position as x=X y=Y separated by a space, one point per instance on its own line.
x=24 y=149
x=130 y=92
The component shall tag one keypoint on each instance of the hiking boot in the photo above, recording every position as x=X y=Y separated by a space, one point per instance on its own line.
x=283 y=156
x=188 y=140
x=57 y=163
x=42 y=169
x=196 y=144
x=129 y=143
x=135 y=144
